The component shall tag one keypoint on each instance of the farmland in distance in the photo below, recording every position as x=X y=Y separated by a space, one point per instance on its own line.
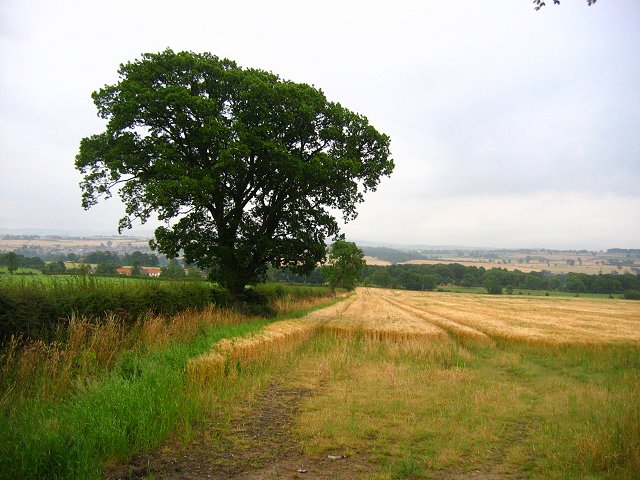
x=553 y=261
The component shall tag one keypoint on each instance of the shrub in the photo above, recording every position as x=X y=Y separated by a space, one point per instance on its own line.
x=632 y=295
x=493 y=286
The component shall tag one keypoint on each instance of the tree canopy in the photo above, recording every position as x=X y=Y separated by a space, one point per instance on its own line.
x=246 y=169
x=10 y=259
x=346 y=262
x=541 y=3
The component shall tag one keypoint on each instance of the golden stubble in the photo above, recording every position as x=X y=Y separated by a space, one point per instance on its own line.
x=421 y=319
x=548 y=320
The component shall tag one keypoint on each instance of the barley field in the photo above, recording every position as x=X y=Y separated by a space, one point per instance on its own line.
x=379 y=385
x=401 y=384
x=403 y=314
x=557 y=265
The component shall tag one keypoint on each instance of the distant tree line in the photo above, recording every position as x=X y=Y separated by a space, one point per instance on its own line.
x=402 y=276
x=628 y=251
x=106 y=263
x=495 y=280
x=427 y=277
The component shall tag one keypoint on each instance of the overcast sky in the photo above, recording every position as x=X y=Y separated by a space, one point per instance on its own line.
x=509 y=127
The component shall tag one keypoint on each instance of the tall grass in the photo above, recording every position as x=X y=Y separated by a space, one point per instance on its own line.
x=87 y=349
x=131 y=408
x=106 y=389
x=36 y=309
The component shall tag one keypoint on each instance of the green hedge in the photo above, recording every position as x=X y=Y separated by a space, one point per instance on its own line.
x=273 y=291
x=35 y=309
x=632 y=295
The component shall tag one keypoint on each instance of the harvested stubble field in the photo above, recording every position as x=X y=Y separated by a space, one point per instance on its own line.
x=557 y=266
x=381 y=385
x=553 y=320
x=397 y=384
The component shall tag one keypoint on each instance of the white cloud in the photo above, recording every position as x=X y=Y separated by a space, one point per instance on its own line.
x=496 y=113
x=546 y=219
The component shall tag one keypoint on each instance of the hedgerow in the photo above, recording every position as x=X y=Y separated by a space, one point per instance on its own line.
x=37 y=309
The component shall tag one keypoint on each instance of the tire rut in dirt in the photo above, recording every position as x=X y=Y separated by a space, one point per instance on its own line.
x=260 y=435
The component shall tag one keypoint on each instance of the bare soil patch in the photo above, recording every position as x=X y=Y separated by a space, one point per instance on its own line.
x=258 y=445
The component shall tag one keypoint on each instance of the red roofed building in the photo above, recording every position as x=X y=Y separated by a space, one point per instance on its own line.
x=144 y=271
x=150 y=271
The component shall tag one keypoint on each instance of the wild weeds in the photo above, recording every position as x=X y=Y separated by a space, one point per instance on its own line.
x=86 y=347
x=106 y=389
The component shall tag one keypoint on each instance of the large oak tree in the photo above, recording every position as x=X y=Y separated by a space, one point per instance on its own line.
x=246 y=169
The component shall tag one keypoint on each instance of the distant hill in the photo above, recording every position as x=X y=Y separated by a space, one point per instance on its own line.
x=391 y=255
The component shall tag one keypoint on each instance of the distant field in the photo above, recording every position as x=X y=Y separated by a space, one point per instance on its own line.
x=375 y=261
x=525 y=292
x=65 y=243
x=555 y=267
x=591 y=263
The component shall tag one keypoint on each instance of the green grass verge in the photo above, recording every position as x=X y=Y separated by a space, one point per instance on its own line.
x=131 y=409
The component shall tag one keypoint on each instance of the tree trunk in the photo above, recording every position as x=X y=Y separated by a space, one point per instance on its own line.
x=235 y=281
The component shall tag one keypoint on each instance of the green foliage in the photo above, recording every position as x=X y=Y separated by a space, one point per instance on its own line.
x=493 y=286
x=346 y=262
x=37 y=308
x=139 y=258
x=259 y=300
x=574 y=284
x=54 y=268
x=13 y=262
x=404 y=276
x=99 y=257
x=632 y=295
x=10 y=261
x=286 y=276
x=253 y=166
x=106 y=269
x=173 y=270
